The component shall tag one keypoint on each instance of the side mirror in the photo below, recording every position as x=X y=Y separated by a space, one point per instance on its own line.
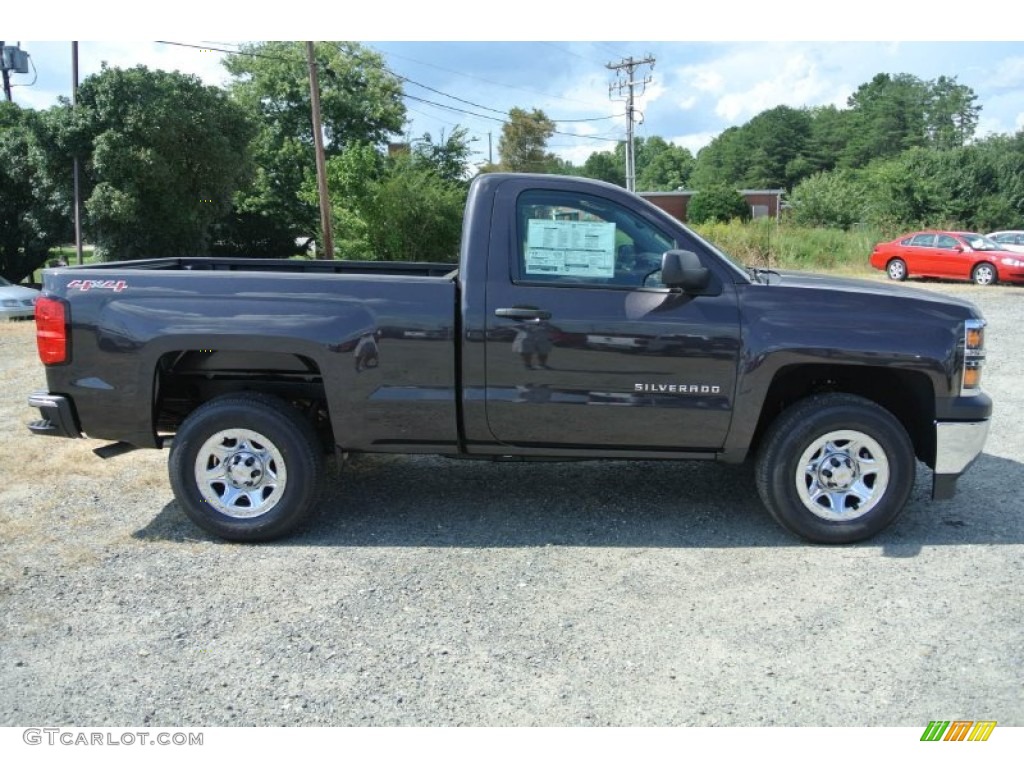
x=682 y=269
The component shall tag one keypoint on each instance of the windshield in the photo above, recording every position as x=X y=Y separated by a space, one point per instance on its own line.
x=739 y=268
x=980 y=242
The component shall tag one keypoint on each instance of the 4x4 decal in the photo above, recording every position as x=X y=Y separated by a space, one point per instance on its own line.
x=105 y=285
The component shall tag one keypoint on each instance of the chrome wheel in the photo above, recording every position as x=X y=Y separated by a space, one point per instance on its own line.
x=842 y=475
x=984 y=274
x=897 y=270
x=240 y=473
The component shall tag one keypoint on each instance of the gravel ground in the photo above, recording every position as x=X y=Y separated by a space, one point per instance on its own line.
x=436 y=592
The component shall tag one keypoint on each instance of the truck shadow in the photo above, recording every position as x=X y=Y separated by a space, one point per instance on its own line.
x=412 y=501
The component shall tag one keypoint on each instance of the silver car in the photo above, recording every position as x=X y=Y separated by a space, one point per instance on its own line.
x=17 y=301
x=1009 y=240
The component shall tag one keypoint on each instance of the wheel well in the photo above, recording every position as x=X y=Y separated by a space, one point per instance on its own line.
x=908 y=395
x=185 y=379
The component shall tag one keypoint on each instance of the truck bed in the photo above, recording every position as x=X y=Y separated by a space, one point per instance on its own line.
x=417 y=268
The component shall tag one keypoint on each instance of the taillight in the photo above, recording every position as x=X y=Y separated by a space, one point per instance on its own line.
x=52 y=331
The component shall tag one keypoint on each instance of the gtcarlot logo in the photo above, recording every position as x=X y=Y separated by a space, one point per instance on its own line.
x=958 y=730
x=111 y=737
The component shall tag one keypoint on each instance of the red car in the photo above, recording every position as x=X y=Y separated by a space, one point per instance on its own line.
x=958 y=255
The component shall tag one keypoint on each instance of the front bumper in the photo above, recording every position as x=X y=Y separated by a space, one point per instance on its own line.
x=957 y=445
x=58 y=415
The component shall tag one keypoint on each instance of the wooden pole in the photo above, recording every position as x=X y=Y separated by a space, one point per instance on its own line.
x=327 y=251
x=77 y=190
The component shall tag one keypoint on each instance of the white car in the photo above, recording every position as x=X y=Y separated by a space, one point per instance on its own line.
x=17 y=301
x=1010 y=239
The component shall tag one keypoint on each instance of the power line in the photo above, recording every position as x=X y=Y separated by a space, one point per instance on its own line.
x=236 y=53
x=484 y=80
x=499 y=111
x=500 y=120
x=391 y=72
x=407 y=95
x=566 y=51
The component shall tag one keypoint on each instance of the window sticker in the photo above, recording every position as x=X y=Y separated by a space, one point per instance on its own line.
x=571 y=248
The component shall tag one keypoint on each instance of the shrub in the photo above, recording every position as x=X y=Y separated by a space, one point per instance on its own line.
x=717 y=203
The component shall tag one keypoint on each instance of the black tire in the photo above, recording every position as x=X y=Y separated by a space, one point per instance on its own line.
x=263 y=467
x=835 y=468
x=984 y=274
x=896 y=269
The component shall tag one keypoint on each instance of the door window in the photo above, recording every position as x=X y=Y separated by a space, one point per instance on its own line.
x=581 y=240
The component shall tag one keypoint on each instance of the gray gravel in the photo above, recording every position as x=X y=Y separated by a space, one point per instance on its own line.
x=437 y=592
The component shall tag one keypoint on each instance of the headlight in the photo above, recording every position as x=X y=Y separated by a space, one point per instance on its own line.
x=1013 y=262
x=974 y=356
x=9 y=302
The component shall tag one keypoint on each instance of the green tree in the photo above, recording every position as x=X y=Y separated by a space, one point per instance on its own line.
x=1006 y=155
x=407 y=207
x=523 y=143
x=888 y=116
x=605 y=166
x=167 y=154
x=723 y=161
x=34 y=210
x=830 y=133
x=449 y=157
x=350 y=178
x=951 y=113
x=413 y=214
x=717 y=202
x=899 y=198
x=663 y=167
x=360 y=102
x=773 y=141
x=828 y=199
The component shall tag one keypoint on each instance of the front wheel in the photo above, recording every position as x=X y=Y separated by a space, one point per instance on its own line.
x=835 y=468
x=984 y=274
x=246 y=467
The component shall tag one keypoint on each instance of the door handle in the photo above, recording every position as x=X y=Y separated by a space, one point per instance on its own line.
x=523 y=313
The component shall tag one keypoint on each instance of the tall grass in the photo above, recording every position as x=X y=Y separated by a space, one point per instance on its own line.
x=765 y=243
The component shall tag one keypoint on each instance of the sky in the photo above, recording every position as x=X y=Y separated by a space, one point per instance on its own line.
x=696 y=88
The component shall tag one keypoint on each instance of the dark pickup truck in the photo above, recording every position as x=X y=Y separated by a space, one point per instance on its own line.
x=580 y=323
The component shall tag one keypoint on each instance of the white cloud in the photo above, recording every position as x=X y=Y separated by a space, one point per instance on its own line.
x=703 y=78
x=651 y=94
x=1007 y=73
x=200 y=61
x=798 y=82
x=693 y=141
x=52 y=61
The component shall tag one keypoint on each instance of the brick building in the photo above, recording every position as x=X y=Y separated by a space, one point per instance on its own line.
x=762 y=202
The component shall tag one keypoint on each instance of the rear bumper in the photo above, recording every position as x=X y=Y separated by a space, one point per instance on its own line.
x=957 y=445
x=58 y=415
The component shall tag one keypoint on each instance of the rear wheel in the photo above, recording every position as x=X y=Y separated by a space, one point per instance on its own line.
x=897 y=269
x=246 y=467
x=835 y=468
x=984 y=274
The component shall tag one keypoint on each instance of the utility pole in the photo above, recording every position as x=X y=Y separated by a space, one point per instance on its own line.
x=327 y=252
x=78 y=191
x=626 y=84
x=3 y=69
